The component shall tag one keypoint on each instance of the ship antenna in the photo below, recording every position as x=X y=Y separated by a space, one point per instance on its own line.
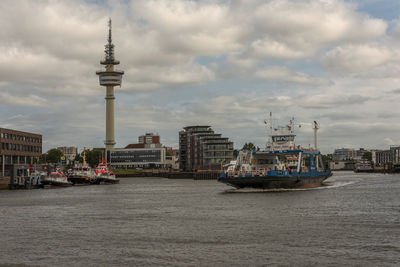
x=315 y=128
x=271 y=127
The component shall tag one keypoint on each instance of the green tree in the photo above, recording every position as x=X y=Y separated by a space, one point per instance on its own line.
x=367 y=156
x=53 y=156
x=92 y=157
x=249 y=146
x=235 y=153
x=78 y=158
x=326 y=159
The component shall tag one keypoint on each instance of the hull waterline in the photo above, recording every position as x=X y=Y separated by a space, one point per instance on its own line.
x=275 y=182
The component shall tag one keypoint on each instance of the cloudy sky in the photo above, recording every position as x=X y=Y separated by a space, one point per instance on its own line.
x=221 y=63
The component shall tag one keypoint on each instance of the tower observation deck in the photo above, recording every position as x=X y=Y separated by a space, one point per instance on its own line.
x=109 y=78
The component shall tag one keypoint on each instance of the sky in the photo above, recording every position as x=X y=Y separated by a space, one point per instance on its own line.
x=226 y=64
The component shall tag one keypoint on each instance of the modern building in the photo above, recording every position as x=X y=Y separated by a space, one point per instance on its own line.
x=200 y=148
x=344 y=154
x=69 y=152
x=18 y=147
x=395 y=151
x=145 y=158
x=383 y=158
x=109 y=78
x=149 y=140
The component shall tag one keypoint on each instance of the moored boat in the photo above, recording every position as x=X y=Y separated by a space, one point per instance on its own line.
x=281 y=165
x=82 y=174
x=364 y=165
x=56 y=178
x=104 y=175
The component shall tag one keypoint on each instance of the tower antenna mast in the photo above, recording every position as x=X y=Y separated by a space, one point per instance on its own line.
x=109 y=78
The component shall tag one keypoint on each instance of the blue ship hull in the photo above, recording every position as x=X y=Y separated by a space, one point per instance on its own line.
x=304 y=180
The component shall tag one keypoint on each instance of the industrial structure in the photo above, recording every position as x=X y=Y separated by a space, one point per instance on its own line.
x=109 y=78
x=200 y=148
x=18 y=147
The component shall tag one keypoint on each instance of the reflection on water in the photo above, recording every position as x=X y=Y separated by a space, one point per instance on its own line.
x=350 y=221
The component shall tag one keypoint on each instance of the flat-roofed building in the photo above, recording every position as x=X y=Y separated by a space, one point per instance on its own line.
x=344 y=154
x=17 y=147
x=383 y=157
x=149 y=140
x=200 y=148
x=146 y=158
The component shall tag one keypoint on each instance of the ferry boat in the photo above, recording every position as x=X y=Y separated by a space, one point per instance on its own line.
x=364 y=165
x=104 y=175
x=56 y=178
x=281 y=165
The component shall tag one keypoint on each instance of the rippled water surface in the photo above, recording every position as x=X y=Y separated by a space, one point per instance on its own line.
x=354 y=220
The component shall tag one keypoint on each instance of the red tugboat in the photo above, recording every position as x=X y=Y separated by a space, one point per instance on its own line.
x=104 y=175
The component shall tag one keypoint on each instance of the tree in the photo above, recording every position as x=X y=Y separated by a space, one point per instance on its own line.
x=367 y=156
x=235 y=153
x=53 y=156
x=78 y=158
x=326 y=159
x=249 y=146
x=92 y=157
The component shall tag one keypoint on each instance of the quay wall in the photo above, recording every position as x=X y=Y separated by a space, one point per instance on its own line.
x=209 y=175
x=4 y=181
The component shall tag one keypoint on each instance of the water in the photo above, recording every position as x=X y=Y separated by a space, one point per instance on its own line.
x=352 y=221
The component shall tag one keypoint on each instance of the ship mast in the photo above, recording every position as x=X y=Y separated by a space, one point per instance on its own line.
x=315 y=128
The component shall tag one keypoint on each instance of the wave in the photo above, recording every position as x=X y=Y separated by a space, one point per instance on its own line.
x=325 y=185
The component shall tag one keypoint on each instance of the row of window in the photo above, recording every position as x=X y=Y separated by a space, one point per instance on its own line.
x=215 y=147
x=120 y=160
x=20 y=138
x=19 y=147
x=218 y=153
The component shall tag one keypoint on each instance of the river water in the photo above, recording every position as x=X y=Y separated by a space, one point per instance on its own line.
x=352 y=221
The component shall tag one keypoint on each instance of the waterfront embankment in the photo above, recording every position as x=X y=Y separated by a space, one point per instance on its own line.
x=199 y=175
x=4 y=181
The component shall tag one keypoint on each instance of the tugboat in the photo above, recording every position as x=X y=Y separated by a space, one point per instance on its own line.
x=104 y=175
x=281 y=165
x=56 y=178
x=82 y=174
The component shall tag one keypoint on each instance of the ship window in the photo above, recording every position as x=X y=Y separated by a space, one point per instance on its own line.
x=284 y=138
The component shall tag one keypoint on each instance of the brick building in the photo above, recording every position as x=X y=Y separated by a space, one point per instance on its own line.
x=18 y=147
x=149 y=140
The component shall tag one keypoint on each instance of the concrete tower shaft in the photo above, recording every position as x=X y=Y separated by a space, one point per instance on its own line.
x=109 y=78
